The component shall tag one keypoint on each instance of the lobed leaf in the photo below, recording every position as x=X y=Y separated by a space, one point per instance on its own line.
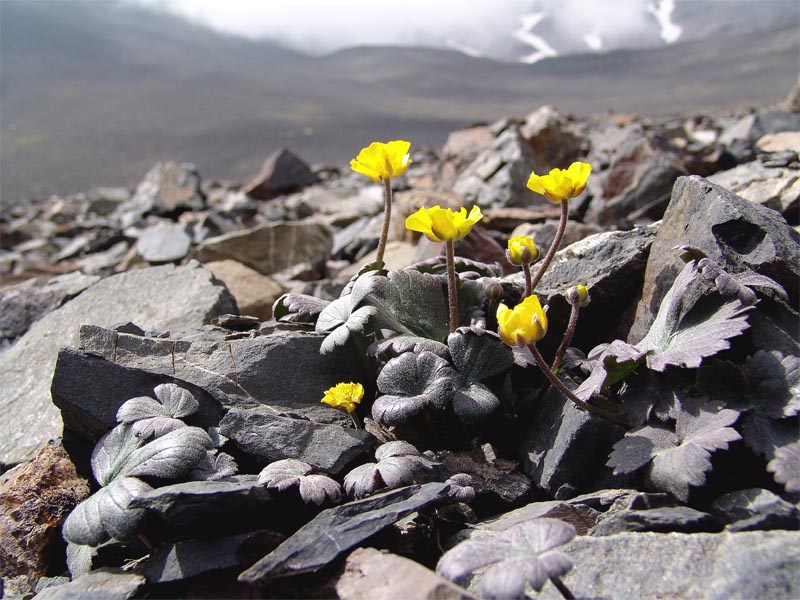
x=297 y=308
x=289 y=472
x=786 y=467
x=112 y=451
x=397 y=465
x=774 y=383
x=169 y=456
x=216 y=465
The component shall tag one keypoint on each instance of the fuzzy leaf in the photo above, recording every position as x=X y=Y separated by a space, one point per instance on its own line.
x=410 y=383
x=297 y=308
x=679 y=460
x=79 y=559
x=681 y=336
x=517 y=556
x=400 y=344
x=786 y=467
x=473 y=402
x=478 y=356
x=171 y=401
x=156 y=427
x=169 y=456
x=216 y=465
x=112 y=451
x=461 y=488
x=283 y=474
x=774 y=383
x=398 y=463
x=355 y=322
x=764 y=435
x=609 y=363
x=106 y=514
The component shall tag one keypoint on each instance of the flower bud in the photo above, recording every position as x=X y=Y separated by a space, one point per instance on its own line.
x=494 y=290
x=521 y=250
x=579 y=295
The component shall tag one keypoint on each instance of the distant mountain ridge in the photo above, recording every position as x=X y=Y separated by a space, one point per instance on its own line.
x=94 y=95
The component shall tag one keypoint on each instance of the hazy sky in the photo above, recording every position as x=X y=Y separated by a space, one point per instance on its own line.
x=322 y=26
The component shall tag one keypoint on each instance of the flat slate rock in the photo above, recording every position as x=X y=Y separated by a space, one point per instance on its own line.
x=755 y=509
x=680 y=566
x=269 y=437
x=159 y=298
x=182 y=503
x=97 y=585
x=336 y=530
x=663 y=520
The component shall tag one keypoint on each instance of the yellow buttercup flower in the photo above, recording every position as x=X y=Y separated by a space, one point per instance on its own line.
x=344 y=395
x=381 y=161
x=525 y=324
x=522 y=250
x=561 y=184
x=442 y=224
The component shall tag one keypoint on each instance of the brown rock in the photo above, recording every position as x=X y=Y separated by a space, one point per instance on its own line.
x=35 y=498
x=254 y=292
x=370 y=574
x=281 y=172
x=463 y=147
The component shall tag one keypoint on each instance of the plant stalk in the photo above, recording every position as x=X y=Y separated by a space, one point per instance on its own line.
x=387 y=216
x=561 y=587
x=573 y=321
x=526 y=269
x=595 y=410
x=551 y=252
x=452 y=298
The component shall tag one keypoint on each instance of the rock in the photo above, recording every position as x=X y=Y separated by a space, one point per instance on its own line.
x=282 y=368
x=755 y=509
x=700 y=566
x=270 y=248
x=254 y=293
x=281 y=172
x=565 y=449
x=663 y=520
x=462 y=148
x=792 y=102
x=544 y=233
x=103 y=201
x=637 y=186
x=35 y=498
x=217 y=557
x=499 y=176
x=269 y=437
x=779 y=142
x=774 y=187
x=101 y=583
x=24 y=303
x=370 y=573
x=622 y=499
x=341 y=202
x=168 y=188
x=195 y=501
x=163 y=243
x=729 y=230
x=310 y=548
x=356 y=239
x=554 y=145
x=397 y=255
x=155 y=298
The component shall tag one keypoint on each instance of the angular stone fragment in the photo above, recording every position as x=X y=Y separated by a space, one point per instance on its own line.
x=755 y=509
x=281 y=172
x=254 y=293
x=663 y=520
x=108 y=584
x=163 y=243
x=336 y=530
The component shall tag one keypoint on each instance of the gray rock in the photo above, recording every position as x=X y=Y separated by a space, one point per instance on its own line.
x=155 y=298
x=499 y=176
x=102 y=584
x=269 y=437
x=729 y=230
x=622 y=499
x=663 y=520
x=553 y=142
x=184 y=503
x=24 y=303
x=282 y=368
x=338 y=529
x=370 y=573
x=775 y=188
x=544 y=233
x=192 y=558
x=281 y=172
x=166 y=189
x=565 y=449
x=103 y=201
x=163 y=243
x=270 y=248
x=254 y=293
x=755 y=509
x=700 y=566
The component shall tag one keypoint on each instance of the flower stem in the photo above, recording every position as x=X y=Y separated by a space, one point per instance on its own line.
x=561 y=587
x=573 y=320
x=387 y=215
x=451 y=285
x=595 y=410
x=526 y=269
x=356 y=421
x=551 y=252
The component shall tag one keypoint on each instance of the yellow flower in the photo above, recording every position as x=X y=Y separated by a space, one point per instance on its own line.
x=561 y=184
x=526 y=324
x=442 y=224
x=581 y=294
x=522 y=250
x=381 y=160
x=344 y=395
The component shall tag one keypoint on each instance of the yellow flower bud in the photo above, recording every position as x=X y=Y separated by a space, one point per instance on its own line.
x=443 y=224
x=561 y=184
x=380 y=161
x=344 y=395
x=522 y=250
x=525 y=324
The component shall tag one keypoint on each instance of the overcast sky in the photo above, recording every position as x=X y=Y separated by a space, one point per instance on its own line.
x=321 y=26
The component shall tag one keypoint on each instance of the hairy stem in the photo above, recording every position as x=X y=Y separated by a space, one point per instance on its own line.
x=452 y=299
x=573 y=321
x=561 y=587
x=387 y=215
x=526 y=269
x=595 y=410
x=551 y=252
